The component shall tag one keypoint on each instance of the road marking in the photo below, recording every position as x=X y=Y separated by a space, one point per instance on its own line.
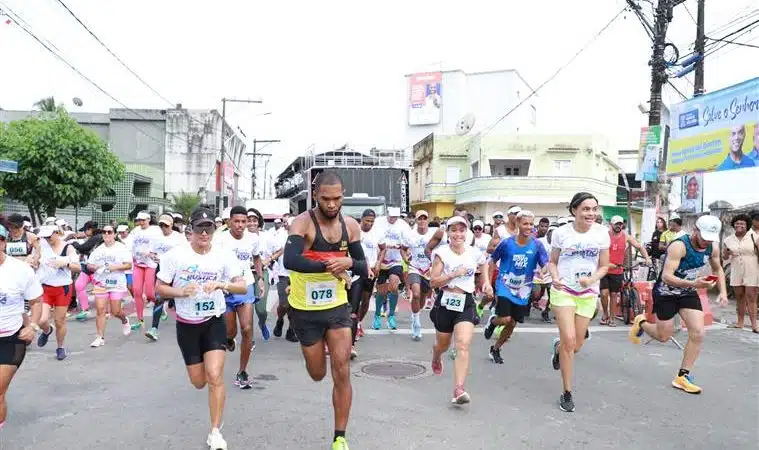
x=528 y=329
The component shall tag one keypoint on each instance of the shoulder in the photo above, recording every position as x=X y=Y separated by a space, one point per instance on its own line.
x=352 y=226
x=301 y=223
x=31 y=237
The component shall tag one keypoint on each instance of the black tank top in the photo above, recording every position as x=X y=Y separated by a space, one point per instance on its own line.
x=18 y=247
x=321 y=244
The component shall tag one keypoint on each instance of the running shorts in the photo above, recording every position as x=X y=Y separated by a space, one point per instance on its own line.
x=584 y=306
x=384 y=274
x=103 y=293
x=612 y=282
x=367 y=284
x=506 y=308
x=445 y=320
x=195 y=339
x=234 y=301
x=56 y=296
x=12 y=350
x=415 y=278
x=129 y=279
x=312 y=326
x=282 y=284
x=667 y=306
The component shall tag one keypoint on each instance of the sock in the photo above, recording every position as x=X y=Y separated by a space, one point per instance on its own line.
x=683 y=372
x=379 y=300
x=157 y=312
x=339 y=433
x=640 y=330
x=415 y=316
x=392 y=298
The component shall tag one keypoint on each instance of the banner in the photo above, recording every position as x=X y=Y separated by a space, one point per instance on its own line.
x=717 y=131
x=649 y=151
x=425 y=98
x=692 y=193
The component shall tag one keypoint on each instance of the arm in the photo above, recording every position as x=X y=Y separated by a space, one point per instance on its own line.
x=73 y=263
x=436 y=238
x=437 y=279
x=34 y=258
x=236 y=286
x=632 y=241
x=493 y=244
x=603 y=268
x=487 y=288
x=296 y=242
x=553 y=267
x=89 y=244
x=675 y=253
x=167 y=291
x=277 y=254
x=718 y=271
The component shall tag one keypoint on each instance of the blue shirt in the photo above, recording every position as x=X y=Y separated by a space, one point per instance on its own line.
x=516 y=268
x=729 y=164
x=754 y=154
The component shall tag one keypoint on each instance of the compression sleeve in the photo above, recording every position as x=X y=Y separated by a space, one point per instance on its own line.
x=359 y=260
x=294 y=260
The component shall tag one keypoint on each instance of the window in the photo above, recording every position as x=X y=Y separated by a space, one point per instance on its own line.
x=562 y=166
x=509 y=167
x=475 y=169
x=427 y=173
x=416 y=177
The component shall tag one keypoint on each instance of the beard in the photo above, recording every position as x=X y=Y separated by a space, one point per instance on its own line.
x=327 y=214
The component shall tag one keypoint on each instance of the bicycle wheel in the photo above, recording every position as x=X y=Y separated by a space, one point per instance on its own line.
x=626 y=304
x=637 y=308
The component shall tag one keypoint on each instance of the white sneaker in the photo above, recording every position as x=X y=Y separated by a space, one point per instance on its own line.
x=215 y=441
x=98 y=342
x=126 y=328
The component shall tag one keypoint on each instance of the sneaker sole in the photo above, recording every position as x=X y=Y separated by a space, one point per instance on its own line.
x=566 y=410
x=677 y=386
x=151 y=338
x=462 y=399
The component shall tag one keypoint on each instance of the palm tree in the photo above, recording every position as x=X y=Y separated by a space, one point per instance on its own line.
x=46 y=104
x=184 y=203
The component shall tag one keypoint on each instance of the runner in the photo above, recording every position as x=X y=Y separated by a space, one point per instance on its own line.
x=283 y=286
x=244 y=247
x=122 y=235
x=316 y=254
x=92 y=237
x=24 y=246
x=675 y=292
x=161 y=244
x=18 y=284
x=195 y=276
x=517 y=258
x=267 y=245
x=362 y=289
x=419 y=268
x=480 y=241
x=144 y=265
x=59 y=260
x=505 y=230
x=453 y=272
x=108 y=263
x=579 y=259
x=542 y=280
x=611 y=284
x=391 y=269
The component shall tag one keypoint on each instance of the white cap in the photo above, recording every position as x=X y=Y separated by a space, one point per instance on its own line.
x=456 y=219
x=122 y=228
x=50 y=219
x=226 y=213
x=61 y=222
x=616 y=219
x=709 y=228
x=478 y=223
x=46 y=231
x=277 y=220
x=218 y=219
x=393 y=211
x=27 y=224
x=498 y=213
x=142 y=215
x=515 y=210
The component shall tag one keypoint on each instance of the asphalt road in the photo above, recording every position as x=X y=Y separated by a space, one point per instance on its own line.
x=131 y=394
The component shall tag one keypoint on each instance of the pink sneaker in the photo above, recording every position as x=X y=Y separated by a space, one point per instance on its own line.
x=460 y=396
x=437 y=367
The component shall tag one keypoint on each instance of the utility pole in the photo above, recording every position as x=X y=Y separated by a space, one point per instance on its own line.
x=698 y=88
x=223 y=150
x=657 y=63
x=255 y=155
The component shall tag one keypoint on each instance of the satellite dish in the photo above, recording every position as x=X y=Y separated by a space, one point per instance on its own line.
x=77 y=101
x=465 y=124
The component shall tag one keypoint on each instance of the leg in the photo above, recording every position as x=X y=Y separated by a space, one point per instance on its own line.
x=158 y=307
x=581 y=327
x=605 y=299
x=138 y=288
x=392 y=296
x=60 y=324
x=100 y=301
x=213 y=366
x=442 y=342
x=149 y=283
x=197 y=375
x=740 y=305
x=339 y=344
x=694 y=320
x=117 y=311
x=416 y=298
x=565 y=319
x=81 y=291
x=45 y=318
x=463 y=331
x=509 y=324
x=6 y=375
x=316 y=360
x=751 y=306
x=364 y=309
x=245 y=316
x=230 y=317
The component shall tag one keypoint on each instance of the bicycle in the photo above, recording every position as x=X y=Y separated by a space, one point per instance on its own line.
x=630 y=305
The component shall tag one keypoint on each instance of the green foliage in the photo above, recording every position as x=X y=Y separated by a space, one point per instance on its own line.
x=60 y=163
x=184 y=203
x=46 y=104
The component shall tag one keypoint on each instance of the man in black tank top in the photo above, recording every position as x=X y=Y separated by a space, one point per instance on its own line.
x=22 y=244
x=321 y=247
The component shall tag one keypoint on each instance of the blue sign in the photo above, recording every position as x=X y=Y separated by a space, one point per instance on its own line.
x=689 y=119
x=8 y=166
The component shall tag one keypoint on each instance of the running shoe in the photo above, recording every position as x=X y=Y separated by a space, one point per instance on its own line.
x=60 y=353
x=437 y=367
x=230 y=346
x=377 y=322
x=354 y=353
x=480 y=310
x=360 y=330
x=340 y=444
x=98 y=342
x=242 y=381
x=278 y=327
x=215 y=441
x=636 y=331
x=495 y=355
x=264 y=330
x=391 y=323
x=152 y=334
x=291 y=336
x=137 y=325
x=44 y=337
x=685 y=383
x=164 y=315
x=460 y=396
x=126 y=328
x=489 y=330
x=566 y=403
x=555 y=354
x=83 y=315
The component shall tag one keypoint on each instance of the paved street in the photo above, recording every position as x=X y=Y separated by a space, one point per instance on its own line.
x=134 y=394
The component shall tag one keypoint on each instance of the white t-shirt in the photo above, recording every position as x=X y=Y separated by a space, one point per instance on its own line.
x=17 y=283
x=416 y=243
x=49 y=275
x=504 y=233
x=538 y=278
x=370 y=244
x=182 y=266
x=242 y=250
x=482 y=242
x=579 y=256
x=471 y=259
x=142 y=243
x=113 y=281
x=393 y=237
x=160 y=245
x=280 y=241
x=128 y=244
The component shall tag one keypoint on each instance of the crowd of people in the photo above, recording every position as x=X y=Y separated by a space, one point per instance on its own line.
x=215 y=272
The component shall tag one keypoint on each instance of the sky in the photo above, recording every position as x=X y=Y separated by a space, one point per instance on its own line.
x=333 y=72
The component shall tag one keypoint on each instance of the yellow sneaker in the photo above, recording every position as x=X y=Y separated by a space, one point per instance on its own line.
x=636 y=331
x=340 y=444
x=685 y=383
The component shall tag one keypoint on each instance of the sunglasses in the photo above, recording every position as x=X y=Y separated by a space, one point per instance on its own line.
x=477 y=228
x=498 y=217
x=163 y=225
x=108 y=232
x=204 y=228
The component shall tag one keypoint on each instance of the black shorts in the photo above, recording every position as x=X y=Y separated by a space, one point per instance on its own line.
x=196 y=339
x=384 y=274
x=282 y=284
x=445 y=320
x=415 y=278
x=667 y=306
x=612 y=282
x=504 y=307
x=311 y=326
x=12 y=350
x=367 y=284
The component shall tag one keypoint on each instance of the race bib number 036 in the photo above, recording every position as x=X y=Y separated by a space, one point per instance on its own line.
x=453 y=301
x=321 y=293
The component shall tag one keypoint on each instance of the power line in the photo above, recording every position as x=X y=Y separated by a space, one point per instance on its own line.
x=734 y=42
x=555 y=74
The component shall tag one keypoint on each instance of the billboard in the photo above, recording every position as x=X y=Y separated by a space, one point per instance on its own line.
x=692 y=193
x=715 y=132
x=649 y=151
x=425 y=98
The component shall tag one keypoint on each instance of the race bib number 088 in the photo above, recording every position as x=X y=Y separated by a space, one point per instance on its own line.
x=321 y=293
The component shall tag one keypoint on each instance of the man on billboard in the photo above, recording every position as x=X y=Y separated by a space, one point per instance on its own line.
x=754 y=154
x=736 y=159
x=692 y=195
x=433 y=99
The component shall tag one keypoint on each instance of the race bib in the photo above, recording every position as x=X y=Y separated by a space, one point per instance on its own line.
x=321 y=293
x=453 y=301
x=204 y=307
x=16 y=248
x=513 y=282
x=579 y=275
x=111 y=281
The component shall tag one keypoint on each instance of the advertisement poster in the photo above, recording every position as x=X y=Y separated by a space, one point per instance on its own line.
x=692 y=194
x=649 y=149
x=425 y=98
x=715 y=132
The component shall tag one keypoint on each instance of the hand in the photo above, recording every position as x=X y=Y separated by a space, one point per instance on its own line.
x=338 y=265
x=261 y=286
x=54 y=263
x=584 y=281
x=648 y=261
x=461 y=271
x=34 y=262
x=703 y=283
x=287 y=290
x=376 y=270
x=370 y=273
x=728 y=253
x=154 y=257
x=26 y=334
x=487 y=289
x=190 y=290
x=212 y=286
x=722 y=300
x=557 y=284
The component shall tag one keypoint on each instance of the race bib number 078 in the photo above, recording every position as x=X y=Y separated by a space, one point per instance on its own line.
x=321 y=293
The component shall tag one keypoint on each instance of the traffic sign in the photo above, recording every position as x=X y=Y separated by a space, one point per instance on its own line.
x=8 y=166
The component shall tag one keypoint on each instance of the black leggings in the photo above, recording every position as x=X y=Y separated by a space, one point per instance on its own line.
x=354 y=294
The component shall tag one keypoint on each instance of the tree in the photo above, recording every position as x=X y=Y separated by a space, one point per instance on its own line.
x=184 y=203
x=46 y=104
x=60 y=163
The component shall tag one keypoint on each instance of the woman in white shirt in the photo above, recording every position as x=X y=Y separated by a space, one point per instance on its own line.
x=453 y=273
x=144 y=264
x=160 y=245
x=579 y=259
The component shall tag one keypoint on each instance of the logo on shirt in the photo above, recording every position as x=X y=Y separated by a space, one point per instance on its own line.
x=243 y=255
x=520 y=261
x=193 y=273
x=579 y=251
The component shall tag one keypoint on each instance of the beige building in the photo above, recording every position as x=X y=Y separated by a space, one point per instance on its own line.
x=488 y=174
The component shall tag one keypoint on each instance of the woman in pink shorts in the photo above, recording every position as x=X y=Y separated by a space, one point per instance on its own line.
x=109 y=262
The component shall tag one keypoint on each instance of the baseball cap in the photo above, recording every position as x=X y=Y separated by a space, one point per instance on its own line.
x=47 y=231
x=90 y=224
x=393 y=211
x=16 y=220
x=142 y=215
x=50 y=219
x=478 y=223
x=177 y=217
x=61 y=222
x=498 y=213
x=122 y=228
x=515 y=210
x=456 y=219
x=201 y=216
x=617 y=219
x=277 y=220
x=420 y=213
x=166 y=220
x=709 y=227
